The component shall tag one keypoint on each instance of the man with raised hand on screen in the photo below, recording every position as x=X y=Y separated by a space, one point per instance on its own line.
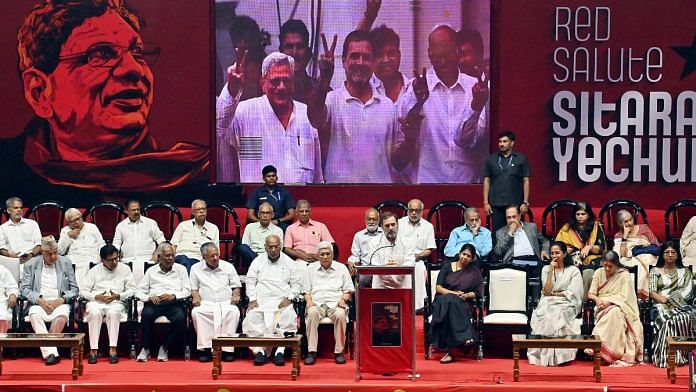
x=294 y=41
x=454 y=117
x=268 y=130
x=363 y=130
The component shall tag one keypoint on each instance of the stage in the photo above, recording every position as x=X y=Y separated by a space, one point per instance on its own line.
x=465 y=374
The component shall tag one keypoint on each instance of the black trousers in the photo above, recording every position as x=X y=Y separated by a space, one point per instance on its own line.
x=174 y=311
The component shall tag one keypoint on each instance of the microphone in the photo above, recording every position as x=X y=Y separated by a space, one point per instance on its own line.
x=380 y=248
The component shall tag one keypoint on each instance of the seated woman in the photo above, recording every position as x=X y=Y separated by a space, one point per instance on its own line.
x=560 y=304
x=457 y=283
x=671 y=291
x=687 y=242
x=586 y=242
x=637 y=245
x=617 y=320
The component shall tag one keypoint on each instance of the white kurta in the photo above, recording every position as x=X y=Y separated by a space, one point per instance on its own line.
x=81 y=250
x=20 y=237
x=421 y=236
x=401 y=252
x=137 y=242
x=8 y=286
x=157 y=282
x=216 y=315
x=188 y=238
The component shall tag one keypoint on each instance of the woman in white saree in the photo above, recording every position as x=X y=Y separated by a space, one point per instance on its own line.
x=558 y=308
x=637 y=245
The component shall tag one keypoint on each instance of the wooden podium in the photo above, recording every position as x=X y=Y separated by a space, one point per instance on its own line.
x=386 y=325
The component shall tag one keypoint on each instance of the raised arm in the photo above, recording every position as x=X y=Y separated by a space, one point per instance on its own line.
x=371 y=10
x=473 y=128
x=404 y=150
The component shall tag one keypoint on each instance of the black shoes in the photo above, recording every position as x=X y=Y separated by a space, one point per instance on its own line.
x=279 y=359
x=311 y=358
x=340 y=359
x=113 y=359
x=205 y=356
x=52 y=360
x=91 y=359
x=227 y=357
x=260 y=359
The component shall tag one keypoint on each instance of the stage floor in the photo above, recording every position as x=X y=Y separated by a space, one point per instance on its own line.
x=29 y=374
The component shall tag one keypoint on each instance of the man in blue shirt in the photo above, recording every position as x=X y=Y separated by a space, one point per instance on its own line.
x=470 y=233
x=274 y=194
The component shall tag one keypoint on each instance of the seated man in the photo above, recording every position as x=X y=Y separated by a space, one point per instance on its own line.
x=361 y=249
x=80 y=241
x=390 y=249
x=470 y=233
x=272 y=282
x=255 y=234
x=420 y=234
x=327 y=287
x=161 y=286
x=20 y=238
x=215 y=290
x=275 y=194
x=49 y=285
x=687 y=242
x=107 y=286
x=137 y=237
x=191 y=234
x=302 y=237
x=8 y=297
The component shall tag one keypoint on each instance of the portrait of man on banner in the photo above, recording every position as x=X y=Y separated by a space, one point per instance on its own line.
x=386 y=324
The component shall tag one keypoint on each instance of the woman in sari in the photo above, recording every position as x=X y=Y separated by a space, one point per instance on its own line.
x=617 y=320
x=559 y=306
x=637 y=245
x=585 y=239
x=458 y=283
x=671 y=291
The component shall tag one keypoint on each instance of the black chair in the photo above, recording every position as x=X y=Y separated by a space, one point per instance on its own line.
x=396 y=207
x=607 y=215
x=588 y=312
x=677 y=216
x=300 y=306
x=105 y=215
x=50 y=215
x=165 y=214
x=555 y=216
x=445 y=216
x=225 y=218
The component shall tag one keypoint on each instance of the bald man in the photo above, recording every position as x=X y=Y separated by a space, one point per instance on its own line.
x=80 y=241
x=420 y=234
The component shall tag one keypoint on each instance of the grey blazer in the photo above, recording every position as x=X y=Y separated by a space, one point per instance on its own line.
x=505 y=244
x=31 y=279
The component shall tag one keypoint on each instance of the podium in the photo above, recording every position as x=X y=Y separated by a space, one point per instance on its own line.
x=386 y=332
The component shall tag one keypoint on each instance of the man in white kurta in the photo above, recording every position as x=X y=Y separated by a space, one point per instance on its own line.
x=8 y=297
x=420 y=234
x=255 y=234
x=327 y=287
x=20 y=238
x=80 y=242
x=272 y=282
x=215 y=290
x=191 y=234
x=268 y=130
x=361 y=248
x=137 y=237
x=106 y=286
x=391 y=250
x=48 y=283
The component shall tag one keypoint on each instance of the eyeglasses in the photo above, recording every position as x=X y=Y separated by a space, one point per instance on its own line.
x=108 y=55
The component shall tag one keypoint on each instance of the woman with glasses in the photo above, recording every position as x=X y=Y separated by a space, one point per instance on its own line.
x=671 y=292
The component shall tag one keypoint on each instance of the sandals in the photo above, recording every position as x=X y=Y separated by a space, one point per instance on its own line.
x=447 y=358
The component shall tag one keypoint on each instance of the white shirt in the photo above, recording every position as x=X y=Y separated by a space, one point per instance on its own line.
x=214 y=285
x=85 y=247
x=379 y=86
x=255 y=236
x=139 y=238
x=361 y=138
x=49 y=282
x=420 y=236
x=100 y=280
x=326 y=286
x=272 y=281
x=447 y=110
x=20 y=237
x=402 y=252
x=250 y=136
x=522 y=246
x=188 y=238
x=8 y=285
x=158 y=282
x=361 y=249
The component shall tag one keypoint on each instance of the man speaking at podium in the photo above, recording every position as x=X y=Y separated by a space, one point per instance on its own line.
x=391 y=250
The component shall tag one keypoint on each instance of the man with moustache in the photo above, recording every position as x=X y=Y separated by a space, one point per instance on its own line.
x=192 y=233
x=86 y=75
x=20 y=238
x=420 y=234
x=361 y=249
x=294 y=41
x=454 y=117
x=387 y=79
x=80 y=241
x=255 y=234
x=276 y=195
x=470 y=233
x=302 y=237
x=391 y=249
x=470 y=45
x=268 y=130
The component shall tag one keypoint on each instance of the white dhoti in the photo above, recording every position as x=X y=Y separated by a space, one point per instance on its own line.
x=5 y=317
x=112 y=314
x=58 y=318
x=419 y=291
x=267 y=319
x=212 y=319
x=138 y=267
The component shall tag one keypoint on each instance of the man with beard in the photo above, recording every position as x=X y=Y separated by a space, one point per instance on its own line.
x=420 y=234
x=294 y=41
x=268 y=130
x=361 y=249
x=86 y=75
x=390 y=249
x=20 y=238
x=362 y=127
x=387 y=79
x=470 y=45
x=276 y=195
x=454 y=124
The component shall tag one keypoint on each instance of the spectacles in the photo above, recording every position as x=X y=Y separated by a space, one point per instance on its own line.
x=108 y=55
